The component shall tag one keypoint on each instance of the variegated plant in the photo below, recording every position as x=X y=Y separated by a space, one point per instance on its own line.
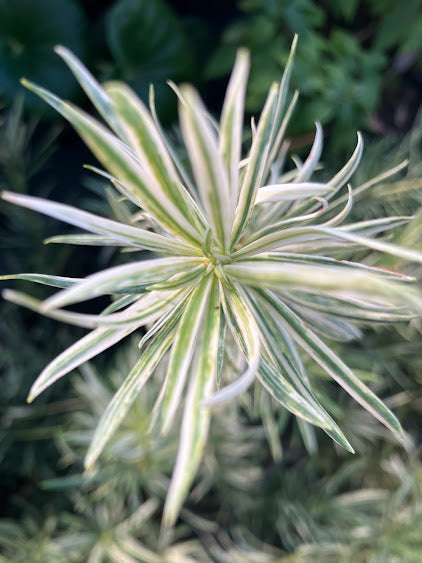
x=244 y=256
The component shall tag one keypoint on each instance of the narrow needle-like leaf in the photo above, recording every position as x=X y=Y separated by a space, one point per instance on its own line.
x=196 y=416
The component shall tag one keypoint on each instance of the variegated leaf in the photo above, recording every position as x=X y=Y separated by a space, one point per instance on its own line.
x=196 y=416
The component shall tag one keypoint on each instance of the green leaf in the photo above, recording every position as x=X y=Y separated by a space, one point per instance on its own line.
x=43 y=279
x=246 y=333
x=196 y=416
x=83 y=350
x=256 y=165
x=148 y=44
x=151 y=151
x=115 y=157
x=29 y=29
x=183 y=350
x=231 y=124
x=122 y=278
x=129 y=390
x=208 y=167
x=121 y=233
x=332 y=364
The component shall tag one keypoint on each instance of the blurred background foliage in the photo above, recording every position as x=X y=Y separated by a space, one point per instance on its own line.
x=268 y=489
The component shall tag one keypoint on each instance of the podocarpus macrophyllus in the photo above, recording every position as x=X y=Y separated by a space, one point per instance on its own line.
x=243 y=255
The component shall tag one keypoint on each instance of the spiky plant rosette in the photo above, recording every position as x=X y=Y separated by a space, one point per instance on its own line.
x=246 y=257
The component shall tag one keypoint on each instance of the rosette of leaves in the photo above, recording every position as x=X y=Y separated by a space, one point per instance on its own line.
x=247 y=259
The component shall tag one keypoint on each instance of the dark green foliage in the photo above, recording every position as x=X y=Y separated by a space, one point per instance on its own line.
x=343 y=51
x=149 y=46
x=29 y=29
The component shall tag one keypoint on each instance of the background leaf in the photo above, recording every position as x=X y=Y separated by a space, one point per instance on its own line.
x=29 y=29
x=148 y=45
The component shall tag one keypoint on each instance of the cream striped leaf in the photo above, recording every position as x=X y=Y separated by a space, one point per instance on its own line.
x=231 y=123
x=332 y=364
x=115 y=158
x=146 y=309
x=128 y=391
x=44 y=279
x=290 y=371
x=208 y=167
x=83 y=350
x=246 y=332
x=99 y=225
x=183 y=350
x=327 y=279
x=92 y=88
x=284 y=238
x=135 y=276
x=149 y=148
x=196 y=417
x=291 y=192
x=256 y=165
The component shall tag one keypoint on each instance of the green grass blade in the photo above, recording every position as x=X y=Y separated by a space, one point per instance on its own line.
x=208 y=167
x=118 y=231
x=196 y=416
